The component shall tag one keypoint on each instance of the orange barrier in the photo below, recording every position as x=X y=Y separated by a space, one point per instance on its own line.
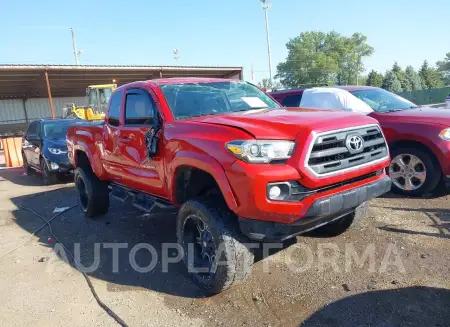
x=12 y=147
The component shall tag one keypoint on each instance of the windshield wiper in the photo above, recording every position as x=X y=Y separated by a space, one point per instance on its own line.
x=255 y=108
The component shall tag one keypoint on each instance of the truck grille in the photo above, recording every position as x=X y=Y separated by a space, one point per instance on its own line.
x=346 y=149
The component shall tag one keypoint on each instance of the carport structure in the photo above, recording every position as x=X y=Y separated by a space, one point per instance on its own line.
x=33 y=83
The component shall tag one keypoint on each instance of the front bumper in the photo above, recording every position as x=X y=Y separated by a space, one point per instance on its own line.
x=323 y=211
x=64 y=165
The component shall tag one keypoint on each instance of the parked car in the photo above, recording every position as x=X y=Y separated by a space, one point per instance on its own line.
x=418 y=137
x=44 y=149
x=236 y=165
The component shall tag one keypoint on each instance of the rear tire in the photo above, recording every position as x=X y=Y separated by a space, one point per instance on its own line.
x=345 y=223
x=208 y=233
x=93 y=194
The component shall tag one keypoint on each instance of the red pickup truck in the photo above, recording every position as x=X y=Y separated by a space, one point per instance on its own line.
x=236 y=166
x=418 y=137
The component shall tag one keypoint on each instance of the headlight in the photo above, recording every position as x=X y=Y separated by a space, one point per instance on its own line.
x=445 y=134
x=57 y=151
x=261 y=151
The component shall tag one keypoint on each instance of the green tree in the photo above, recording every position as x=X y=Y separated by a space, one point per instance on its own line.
x=444 y=68
x=404 y=82
x=391 y=82
x=265 y=84
x=374 y=79
x=323 y=58
x=413 y=78
x=431 y=77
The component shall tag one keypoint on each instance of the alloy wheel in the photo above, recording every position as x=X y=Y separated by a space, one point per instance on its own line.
x=407 y=172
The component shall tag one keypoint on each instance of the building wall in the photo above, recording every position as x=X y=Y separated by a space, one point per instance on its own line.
x=13 y=111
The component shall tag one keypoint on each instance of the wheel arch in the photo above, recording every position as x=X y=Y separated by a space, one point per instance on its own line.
x=417 y=145
x=208 y=172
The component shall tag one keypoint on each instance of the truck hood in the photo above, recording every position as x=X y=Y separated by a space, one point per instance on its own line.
x=286 y=123
x=422 y=114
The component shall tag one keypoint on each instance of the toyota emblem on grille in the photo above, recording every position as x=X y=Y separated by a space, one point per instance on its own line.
x=354 y=144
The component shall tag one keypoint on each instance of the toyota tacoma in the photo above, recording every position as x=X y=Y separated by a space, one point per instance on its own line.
x=236 y=167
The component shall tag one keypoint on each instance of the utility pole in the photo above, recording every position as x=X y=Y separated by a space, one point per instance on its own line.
x=176 y=55
x=75 y=52
x=266 y=5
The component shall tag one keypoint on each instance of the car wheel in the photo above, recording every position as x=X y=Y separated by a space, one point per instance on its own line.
x=214 y=249
x=48 y=177
x=345 y=223
x=413 y=172
x=26 y=166
x=93 y=194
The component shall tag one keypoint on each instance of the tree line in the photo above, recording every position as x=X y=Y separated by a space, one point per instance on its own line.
x=317 y=58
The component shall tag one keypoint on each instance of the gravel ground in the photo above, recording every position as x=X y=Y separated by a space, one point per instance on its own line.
x=406 y=280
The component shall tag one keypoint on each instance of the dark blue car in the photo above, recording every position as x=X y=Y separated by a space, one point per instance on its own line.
x=44 y=149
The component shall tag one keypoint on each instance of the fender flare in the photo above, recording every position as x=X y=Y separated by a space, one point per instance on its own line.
x=206 y=163
x=93 y=157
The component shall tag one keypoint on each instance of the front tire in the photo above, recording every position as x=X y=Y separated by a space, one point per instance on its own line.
x=345 y=223
x=48 y=177
x=211 y=240
x=93 y=194
x=413 y=172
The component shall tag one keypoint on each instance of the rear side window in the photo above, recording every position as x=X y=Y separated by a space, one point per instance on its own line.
x=114 y=109
x=292 y=100
x=139 y=108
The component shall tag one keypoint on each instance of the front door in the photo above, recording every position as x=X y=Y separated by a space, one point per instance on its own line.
x=143 y=171
x=31 y=145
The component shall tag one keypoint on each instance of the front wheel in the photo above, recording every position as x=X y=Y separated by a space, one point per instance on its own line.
x=214 y=250
x=413 y=172
x=48 y=177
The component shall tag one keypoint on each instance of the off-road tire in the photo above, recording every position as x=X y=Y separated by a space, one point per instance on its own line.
x=433 y=169
x=94 y=198
x=236 y=258
x=48 y=178
x=345 y=223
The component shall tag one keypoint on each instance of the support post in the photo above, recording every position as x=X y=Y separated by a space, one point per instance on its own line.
x=49 y=92
x=25 y=110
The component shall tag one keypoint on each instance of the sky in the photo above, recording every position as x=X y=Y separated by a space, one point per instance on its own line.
x=213 y=32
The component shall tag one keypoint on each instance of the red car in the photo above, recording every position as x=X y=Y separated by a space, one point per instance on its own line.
x=418 y=137
x=236 y=165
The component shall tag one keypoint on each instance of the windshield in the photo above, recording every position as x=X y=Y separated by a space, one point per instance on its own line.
x=383 y=101
x=199 y=99
x=56 y=130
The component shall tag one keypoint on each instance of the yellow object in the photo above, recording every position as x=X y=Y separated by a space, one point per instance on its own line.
x=97 y=99
x=234 y=148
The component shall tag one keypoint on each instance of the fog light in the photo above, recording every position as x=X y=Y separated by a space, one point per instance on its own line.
x=274 y=192
x=54 y=166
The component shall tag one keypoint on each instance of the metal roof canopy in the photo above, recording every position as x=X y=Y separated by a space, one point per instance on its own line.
x=29 y=81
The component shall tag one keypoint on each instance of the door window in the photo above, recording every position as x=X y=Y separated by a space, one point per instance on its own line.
x=139 y=108
x=33 y=129
x=114 y=109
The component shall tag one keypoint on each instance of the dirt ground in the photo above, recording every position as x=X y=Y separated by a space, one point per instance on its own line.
x=406 y=283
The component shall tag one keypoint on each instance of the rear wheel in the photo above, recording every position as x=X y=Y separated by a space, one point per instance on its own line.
x=93 y=194
x=413 y=172
x=215 y=250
